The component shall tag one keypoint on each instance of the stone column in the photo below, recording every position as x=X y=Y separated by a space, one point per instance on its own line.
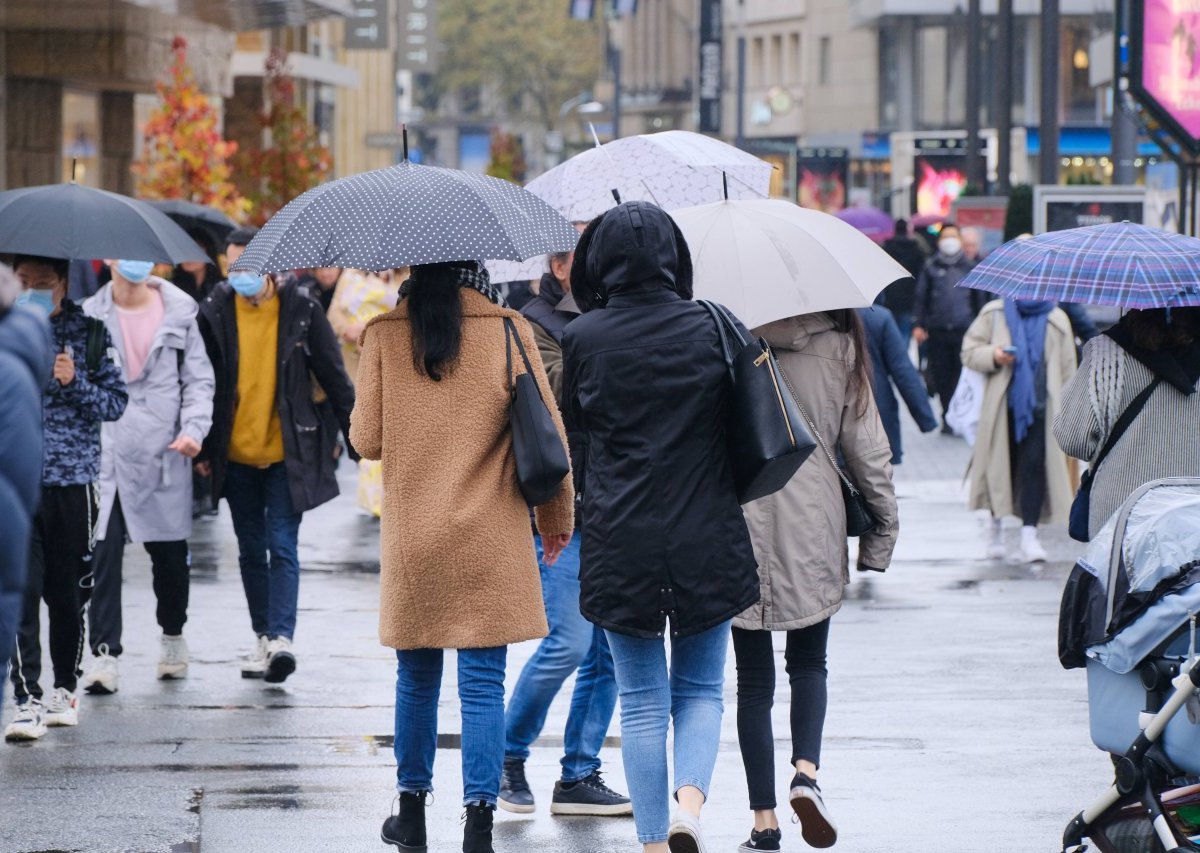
x=33 y=130
x=116 y=141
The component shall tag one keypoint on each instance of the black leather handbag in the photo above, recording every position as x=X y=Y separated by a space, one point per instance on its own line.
x=767 y=439
x=541 y=458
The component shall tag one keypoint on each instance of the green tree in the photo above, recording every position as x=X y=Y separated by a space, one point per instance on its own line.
x=523 y=50
x=1019 y=219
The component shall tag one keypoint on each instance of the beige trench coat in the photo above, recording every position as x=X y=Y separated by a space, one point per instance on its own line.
x=991 y=486
x=799 y=533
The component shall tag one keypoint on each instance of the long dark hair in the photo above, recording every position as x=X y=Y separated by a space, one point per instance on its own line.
x=435 y=311
x=1156 y=330
x=847 y=321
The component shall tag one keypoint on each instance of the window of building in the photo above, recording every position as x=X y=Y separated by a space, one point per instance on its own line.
x=793 y=59
x=824 y=60
x=776 y=61
x=758 y=70
x=889 y=78
x=81 y=137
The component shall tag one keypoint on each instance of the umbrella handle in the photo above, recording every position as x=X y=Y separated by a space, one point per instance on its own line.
x=404 y=140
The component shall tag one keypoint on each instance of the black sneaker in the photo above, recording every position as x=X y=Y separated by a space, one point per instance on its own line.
x=589 y=796
x=406 y=830
x=767 y=839
x=816 y=826
x=515 y=795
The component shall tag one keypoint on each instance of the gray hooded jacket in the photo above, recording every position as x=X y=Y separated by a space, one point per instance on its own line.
x=172 y=397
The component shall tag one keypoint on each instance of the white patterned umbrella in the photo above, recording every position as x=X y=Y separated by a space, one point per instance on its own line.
x=405 y=215
x=672 y=169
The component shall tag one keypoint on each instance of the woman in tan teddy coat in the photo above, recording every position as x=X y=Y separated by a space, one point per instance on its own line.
x=459 y=569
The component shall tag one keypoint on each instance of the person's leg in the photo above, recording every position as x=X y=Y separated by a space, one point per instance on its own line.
x=644 y=688
x=592 y=704
x=27 y=658
x=68 y=551
x=755 y=655
x=172 y=584
x=481 y=695
x=283 y=533
x=418 y=685
x=805 y=656
x=246 y=495
x=945 y=361
x=104 y=613
x=697 y=684
x=1031 y=472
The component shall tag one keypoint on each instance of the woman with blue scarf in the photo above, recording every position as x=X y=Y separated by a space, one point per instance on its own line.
x=1026 y=350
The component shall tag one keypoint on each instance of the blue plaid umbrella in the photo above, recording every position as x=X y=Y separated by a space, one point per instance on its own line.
x=1123 y=265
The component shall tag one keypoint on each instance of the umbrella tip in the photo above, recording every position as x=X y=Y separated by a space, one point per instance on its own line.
x=404 y=139
x=725 y=185
x=616 y=195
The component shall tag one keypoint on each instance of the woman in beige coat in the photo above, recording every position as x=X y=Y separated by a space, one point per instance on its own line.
x=1017 y=467
x=799 y=537
x=459 y=569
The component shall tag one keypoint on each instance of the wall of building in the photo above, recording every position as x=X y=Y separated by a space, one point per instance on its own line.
x=841 y=78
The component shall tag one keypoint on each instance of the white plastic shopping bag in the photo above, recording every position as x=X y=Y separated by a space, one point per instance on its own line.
x=966 y=405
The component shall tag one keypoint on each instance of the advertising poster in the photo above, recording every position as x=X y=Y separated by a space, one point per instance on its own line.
x=822 y=176
x=1170 y=60
x=939 y=175
x=1059 y=207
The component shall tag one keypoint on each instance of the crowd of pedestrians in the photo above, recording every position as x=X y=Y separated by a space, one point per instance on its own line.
x=648 y=567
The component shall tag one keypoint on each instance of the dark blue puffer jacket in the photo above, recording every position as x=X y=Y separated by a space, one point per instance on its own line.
x=26 y=358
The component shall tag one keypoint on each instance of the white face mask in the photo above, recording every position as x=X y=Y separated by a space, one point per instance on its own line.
x=950 y=246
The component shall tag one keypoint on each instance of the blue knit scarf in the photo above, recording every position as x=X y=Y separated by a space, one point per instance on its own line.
x=1027 y=325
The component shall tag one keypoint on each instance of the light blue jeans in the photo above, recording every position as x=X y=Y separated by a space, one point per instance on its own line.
x=481 y=696
x=573 y=644
x=651 y=697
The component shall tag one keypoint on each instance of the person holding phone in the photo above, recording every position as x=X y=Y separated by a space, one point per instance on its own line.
x=1027 y=352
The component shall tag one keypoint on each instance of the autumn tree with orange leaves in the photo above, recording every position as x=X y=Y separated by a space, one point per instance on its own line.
x=295 y=160
x=184 y=154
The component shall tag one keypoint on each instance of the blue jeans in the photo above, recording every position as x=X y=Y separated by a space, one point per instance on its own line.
x=691 y=694
x=267 y=532
x=573 y=643
x=481 y=695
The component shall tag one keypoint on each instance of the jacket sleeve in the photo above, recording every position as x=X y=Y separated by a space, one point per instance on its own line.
x=558 y=514
x=210 y=347
x=552 y=358
x=904 y=374
x=99 y=395
x=366 y=421
x=199 y=386
x=921 y=300
x=979 y=348
x=571 y=414
x=325 y=358
x=867 y=454
x=1077 y=426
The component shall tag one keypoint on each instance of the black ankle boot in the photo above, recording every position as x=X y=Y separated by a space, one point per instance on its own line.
x=477 y=831
x=406 y=830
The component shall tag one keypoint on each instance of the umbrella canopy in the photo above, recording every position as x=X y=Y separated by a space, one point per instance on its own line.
x=197 y=217
x=869 y=220
x=767 y=259
x=672 y=169
x=405 y=215
x=73 y=221
x=1123 y=265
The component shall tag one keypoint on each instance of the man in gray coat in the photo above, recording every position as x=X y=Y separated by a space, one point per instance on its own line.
x=145 y=466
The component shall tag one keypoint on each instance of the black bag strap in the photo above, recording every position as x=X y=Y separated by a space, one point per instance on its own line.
x=1125 y=421
x=723 y=322
x=510 y=333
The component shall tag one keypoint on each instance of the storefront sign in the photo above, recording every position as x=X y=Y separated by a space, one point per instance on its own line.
x=822 y=175
x=1165 y=64
x=367 y=27
x=418 y=28
x=711 y=35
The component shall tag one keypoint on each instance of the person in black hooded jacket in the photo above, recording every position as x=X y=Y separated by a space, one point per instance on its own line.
x=646 y=387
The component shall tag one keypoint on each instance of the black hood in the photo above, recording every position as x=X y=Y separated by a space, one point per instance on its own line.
x=634 y=246
x=1177 y=366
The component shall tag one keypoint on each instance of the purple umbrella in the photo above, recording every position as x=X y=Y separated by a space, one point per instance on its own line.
x=869 y=220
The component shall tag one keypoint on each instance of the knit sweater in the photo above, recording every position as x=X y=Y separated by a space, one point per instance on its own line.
x=1162 y=442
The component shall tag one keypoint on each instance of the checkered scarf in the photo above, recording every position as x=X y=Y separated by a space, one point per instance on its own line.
x=476 y=279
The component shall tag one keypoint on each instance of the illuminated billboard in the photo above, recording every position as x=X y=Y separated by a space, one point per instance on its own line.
x=1165 y=64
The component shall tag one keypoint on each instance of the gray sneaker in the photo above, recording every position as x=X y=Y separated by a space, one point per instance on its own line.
x=684 y=835
x=816 y=826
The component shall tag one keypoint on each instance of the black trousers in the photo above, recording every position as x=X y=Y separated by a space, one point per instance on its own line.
x=1029 y=470
x=60 y=573
x=805 y=664
x=169 y=563
x=944 y=353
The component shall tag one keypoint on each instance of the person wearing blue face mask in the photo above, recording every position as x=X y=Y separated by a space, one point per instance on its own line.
x=146 y=467
x=269 y=451
x=86 y=389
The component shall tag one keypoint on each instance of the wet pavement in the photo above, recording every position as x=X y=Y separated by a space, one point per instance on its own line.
x=951 y=726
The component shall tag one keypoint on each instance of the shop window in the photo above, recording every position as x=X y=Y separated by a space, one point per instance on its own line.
x=758 y=71
x=824 y=60
x=776 y=61
x=81 y=137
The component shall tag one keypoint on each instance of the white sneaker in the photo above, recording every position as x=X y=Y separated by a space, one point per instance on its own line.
x=62 y=708
x=29 y=723
x=995 y=548
x=173 y=658
x=255 y=664
x=1031 y=549
x=684 y=834
x=101 y=677
x=280 y=661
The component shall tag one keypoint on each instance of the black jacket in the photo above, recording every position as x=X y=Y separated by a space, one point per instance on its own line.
x=307 y=350
x=906 y=252
x=941 y=305
x=645 y=384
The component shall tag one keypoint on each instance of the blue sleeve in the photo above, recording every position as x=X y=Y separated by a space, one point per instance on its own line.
x=99 y=395
x=905 y=376
x=921 y=299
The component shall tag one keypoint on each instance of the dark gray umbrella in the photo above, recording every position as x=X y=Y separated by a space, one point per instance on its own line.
x=73 y=221
x=198 y=217
x=404 y=215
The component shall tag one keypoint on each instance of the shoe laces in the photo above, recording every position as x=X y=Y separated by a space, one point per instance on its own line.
x=597 y=781
x=60 y=700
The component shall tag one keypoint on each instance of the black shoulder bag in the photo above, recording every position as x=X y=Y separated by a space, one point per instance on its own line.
x=541 y=458
x=1081 y=507
x=767 y=439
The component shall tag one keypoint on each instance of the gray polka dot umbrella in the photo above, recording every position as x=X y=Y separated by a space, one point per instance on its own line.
x=404 y=215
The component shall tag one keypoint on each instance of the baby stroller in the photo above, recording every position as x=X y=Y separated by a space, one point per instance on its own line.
x=1129 y=616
